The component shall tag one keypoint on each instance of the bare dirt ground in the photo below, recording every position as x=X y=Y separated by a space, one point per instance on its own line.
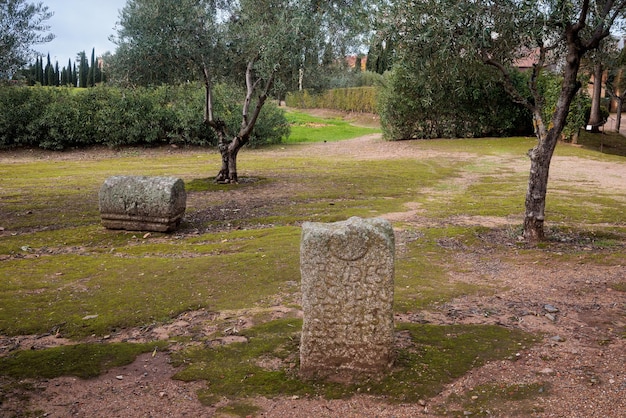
x=580 y=359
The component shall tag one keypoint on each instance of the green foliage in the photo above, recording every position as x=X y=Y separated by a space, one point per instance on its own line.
x=417 y=102
x=161 y=41
x=81 y=360
x=380 y=55
x=20 y=109
x=433 y=356
x=22 y=26
x=355 y=99
x=549 y=85
x=64 y=118
x=272 y=127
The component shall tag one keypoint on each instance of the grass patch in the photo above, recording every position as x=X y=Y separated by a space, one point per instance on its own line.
x=307 y=128
x=620 y=286
x=141 y=282
x=239 y=408
x=424 y=266
x=498 y=400
x=606 y=142
x=209 y=185
x=431 y=357
x=81 y=360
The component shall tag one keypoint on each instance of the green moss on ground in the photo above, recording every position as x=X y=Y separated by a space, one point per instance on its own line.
x=267 y=364
x=145 y=282
x=425 y=266
x=81 y=360
x=239 y=409
x=606 y=142
x=620 y=287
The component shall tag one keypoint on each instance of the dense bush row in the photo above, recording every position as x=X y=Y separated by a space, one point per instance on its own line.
x=417 y=104
x=355 y=99
x=59 y=118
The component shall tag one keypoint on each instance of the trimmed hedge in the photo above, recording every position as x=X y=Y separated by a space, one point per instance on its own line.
x=59 y=118
x=353 y=99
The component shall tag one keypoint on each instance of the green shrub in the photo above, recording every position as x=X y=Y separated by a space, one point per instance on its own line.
x=549 y=88
x=271 y=128
x=59 y=118
x=353 y=99
x=20 y=107
x=416 y=103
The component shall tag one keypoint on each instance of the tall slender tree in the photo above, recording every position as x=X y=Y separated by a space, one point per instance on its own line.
x=57 y=74
x=83 y=70
x=49 y=73
x=91 y=76
x=70 y=74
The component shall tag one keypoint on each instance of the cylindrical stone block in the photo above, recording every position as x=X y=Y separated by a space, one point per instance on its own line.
x=347 y=273
x=140 y=203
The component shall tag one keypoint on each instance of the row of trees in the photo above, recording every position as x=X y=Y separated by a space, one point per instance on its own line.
x=85 y=75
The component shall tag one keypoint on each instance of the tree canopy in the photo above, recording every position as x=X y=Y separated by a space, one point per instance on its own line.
x=497 y=35
x=259 y=45
x=22 y=25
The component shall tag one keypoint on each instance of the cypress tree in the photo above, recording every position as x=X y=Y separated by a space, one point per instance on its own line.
x=36 y=71
x=74 y=77
x=69 y=73
x=42 y=74
x=49 y=73
x=57 y=74
x=98 y=71
x=40 y=77
x=83 y=68
x=92 y=68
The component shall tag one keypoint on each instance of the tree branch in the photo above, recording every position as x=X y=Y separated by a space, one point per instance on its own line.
x=508 y=83
x=582 y=18
x=604 y=25
x=247 y=130
x=250 y=89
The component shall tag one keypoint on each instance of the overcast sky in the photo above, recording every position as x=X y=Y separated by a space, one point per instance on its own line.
x=80 y=25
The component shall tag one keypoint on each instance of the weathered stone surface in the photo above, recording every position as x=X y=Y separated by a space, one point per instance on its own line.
x=347 y=297
x=140 y=203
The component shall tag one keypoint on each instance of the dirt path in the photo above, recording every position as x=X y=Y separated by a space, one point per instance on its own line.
x=580 y=363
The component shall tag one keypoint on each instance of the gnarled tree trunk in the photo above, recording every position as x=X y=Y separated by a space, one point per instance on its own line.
x=541 y=154
x=229 y=149
x=228 y=146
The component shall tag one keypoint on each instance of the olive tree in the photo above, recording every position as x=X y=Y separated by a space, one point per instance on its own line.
x=499 y=33
x=256 y=44
x=22 y=25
